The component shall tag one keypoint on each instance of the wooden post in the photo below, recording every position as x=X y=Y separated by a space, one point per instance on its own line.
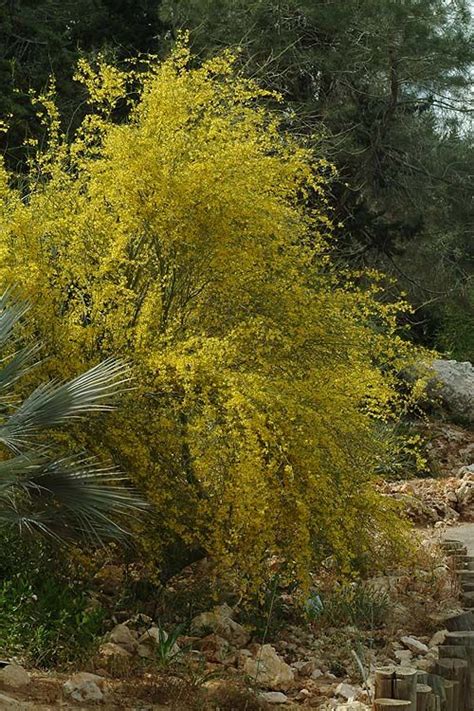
x=394 y=682
x=460 y=621
x=392 y=705
x=467 y=599
x=423 y=694
x=450 y=689
x=457 y=670
x=453 y=651
x=464 y=639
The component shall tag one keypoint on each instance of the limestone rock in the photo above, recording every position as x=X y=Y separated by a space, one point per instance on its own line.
x=14 y=676
x=84 y=686
x=414 y=645
x=438 y=638
x=274 y=697
x=122 y=636
x=268 y=669
x=347 y=691
x=214 y=648
x=404 y=657
x=353 y=706
x=7 y=702
x=220 y=621
x=303 y=694
x=453 y=384
x=109 y=650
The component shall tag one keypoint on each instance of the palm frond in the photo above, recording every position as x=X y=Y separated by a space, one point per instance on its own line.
x=58 y=497
x=65 y=497
x=52 y=404
x=11 y=312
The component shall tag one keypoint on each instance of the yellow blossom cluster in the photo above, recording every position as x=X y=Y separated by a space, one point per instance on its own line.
x=183 y=230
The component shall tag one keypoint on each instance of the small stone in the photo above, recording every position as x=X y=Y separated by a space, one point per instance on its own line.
x=7 y=702
x=268 y=669
x=14 y=676
x=274 y=697
x=303 y=694
x=438 y=638
x=414 y=645
x=425 y=664
x=84 y=686
x=305 y=668
x=347 y=691
x=404 y=657
x=109 y=650
x=214 y=648
x=317 y=674
x=353 y=706
x=122 y=636
x=220 y=621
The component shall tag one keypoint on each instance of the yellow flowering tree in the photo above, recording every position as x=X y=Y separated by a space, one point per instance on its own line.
x=185 y=238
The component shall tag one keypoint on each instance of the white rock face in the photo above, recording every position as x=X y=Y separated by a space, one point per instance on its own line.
x=220 y=621
x=14 y=676
x=84 y=687
x=274 y=697
x=414 y=645
x=268 y=669
x=453 y=383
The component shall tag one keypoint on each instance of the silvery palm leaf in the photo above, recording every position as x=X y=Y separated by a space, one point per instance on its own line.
x=39 y=492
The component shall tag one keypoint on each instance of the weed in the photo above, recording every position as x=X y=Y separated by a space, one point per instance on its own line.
x=353 y=604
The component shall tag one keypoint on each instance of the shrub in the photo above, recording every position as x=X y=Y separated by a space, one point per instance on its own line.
x=355 y=604
x=45 y=618
x=192 y=238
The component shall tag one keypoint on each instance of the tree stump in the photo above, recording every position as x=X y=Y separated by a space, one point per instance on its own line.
x=392 y=705
x=453 y=651
x=423 y=697
x=457 y=670
x=460 y=621
x=393 y=682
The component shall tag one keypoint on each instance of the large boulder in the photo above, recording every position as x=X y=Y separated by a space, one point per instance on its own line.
x=453 y=384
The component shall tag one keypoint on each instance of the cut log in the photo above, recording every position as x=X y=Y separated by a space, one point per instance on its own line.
x=459 y=621
x=453 y=547
x=392 y=705
x=393 y=682
x=455 y=651
x=451 y=695
x=423 y=697
x=457 y=670
x=467 y=599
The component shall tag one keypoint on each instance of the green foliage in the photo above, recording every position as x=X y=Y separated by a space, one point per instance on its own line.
x=166 y=650
x=46 y=618
x=355 y=604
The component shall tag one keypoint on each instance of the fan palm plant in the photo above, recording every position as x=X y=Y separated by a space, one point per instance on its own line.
x=39 y=491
